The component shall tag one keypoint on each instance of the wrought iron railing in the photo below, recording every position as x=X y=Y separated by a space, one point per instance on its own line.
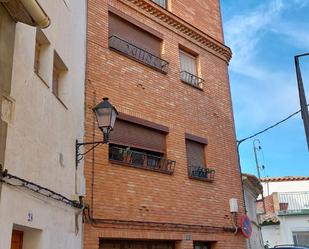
x=293 y=203
x=141 y=160
x=138 y=54
x=201 y=173
x=191 y=79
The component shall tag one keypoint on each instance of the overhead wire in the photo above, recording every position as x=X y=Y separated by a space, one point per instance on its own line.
x=270 y=127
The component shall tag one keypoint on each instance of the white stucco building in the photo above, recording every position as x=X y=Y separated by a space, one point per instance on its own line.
x=252 y=189
x=287 y=211
x=43 y=112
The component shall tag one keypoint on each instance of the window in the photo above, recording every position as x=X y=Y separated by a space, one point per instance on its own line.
x=56 y=76
x=196 y=159
x=195 y=153
x=37 y=57
x=301 y=238
x=59 y=71
x=162 y=3
x=41 y=60
x=139 y=146
x=200 y=245
x=188 y=69
x=135 y=43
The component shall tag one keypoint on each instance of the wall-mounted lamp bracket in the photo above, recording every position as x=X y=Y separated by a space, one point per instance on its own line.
x=79 y=156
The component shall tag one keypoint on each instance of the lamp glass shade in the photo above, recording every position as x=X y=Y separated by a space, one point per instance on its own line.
x=114 y=114
x=103 y=117
x=106 y=115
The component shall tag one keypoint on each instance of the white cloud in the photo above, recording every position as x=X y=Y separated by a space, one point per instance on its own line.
x=293 y=33
x=243 y=32
x=268 y=95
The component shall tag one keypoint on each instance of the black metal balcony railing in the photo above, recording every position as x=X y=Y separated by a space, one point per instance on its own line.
x=200 y=173
x=191 y=79
x=293 y=203
x=137 y=54
x=141 y=160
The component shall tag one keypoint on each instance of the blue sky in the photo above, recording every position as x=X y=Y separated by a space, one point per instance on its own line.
x=264 y=36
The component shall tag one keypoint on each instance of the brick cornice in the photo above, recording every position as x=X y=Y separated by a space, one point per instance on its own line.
x=181 y=27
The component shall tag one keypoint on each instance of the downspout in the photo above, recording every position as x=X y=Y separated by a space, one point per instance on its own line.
x=36 y=12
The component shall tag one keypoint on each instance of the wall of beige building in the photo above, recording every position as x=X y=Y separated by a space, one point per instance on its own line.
x=41 y=131
x=7 y=35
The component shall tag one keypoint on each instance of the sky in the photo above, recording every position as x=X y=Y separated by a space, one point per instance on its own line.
x=264 y=36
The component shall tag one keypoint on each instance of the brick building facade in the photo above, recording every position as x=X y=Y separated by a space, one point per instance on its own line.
x=166 y=177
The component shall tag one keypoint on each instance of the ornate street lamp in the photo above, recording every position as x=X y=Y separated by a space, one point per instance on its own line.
x=106 y=115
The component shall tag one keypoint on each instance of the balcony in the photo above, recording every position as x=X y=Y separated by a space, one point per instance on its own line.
x=141 y=160
x=191 y=79
x=138 y=54
x=293 y=203
x=200 y=173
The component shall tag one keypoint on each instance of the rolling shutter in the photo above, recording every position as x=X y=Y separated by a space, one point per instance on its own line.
x=187 y=62
x=195 y=153
x=133 y=34
x=137 y=136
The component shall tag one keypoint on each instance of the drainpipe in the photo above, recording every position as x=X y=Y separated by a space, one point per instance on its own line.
x=36 y=12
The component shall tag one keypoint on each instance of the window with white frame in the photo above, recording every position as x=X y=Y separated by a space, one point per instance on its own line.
x=187 y=62
x=188 y=69
x=40 y=66
x=59 y=71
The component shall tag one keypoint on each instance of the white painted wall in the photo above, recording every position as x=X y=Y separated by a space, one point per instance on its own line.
x=256 y=240
x=283 y=233
x=43 y=129
x=288 y=186
x=271 y=235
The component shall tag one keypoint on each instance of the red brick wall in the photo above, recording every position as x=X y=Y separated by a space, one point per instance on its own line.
x=124 y=193
x=204 y=15
x=269 y=205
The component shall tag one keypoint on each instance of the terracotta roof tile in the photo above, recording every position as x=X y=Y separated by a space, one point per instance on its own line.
x=285 y=179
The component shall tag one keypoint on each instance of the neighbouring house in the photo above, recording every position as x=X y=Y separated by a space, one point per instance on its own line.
x=166 y=177
x=286 y=220
x=42 y=73
x=252 y=190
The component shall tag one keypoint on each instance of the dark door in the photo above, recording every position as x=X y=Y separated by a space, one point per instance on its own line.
x=201 y=245
x=17 y=239
x=131 y=244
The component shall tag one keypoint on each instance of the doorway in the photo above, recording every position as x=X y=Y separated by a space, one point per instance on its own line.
x=17 y=239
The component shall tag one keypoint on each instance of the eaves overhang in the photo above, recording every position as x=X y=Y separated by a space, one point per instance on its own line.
x=181 y=27
x=27 y=11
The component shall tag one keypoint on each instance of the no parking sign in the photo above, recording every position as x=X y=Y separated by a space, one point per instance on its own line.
x=245 y=225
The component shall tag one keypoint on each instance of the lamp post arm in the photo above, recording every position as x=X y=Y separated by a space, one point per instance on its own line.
x=79 y=156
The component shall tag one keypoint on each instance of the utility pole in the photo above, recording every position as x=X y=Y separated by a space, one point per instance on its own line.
x=302 y=96
x=255 y=149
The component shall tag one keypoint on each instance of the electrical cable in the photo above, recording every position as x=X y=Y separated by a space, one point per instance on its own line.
x=37 y=189
x=148 y=225
x=252 y=136
x=270 y=127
